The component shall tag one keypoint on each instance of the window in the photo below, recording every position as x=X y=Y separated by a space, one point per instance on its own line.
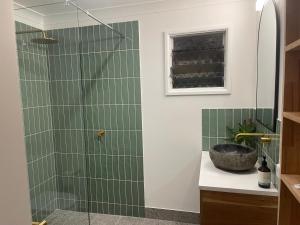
x=196 y=63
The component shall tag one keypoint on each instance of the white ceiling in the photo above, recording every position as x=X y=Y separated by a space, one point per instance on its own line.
x=59 y=7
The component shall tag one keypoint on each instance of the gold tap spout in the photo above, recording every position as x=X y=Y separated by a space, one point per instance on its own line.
x=264 y=138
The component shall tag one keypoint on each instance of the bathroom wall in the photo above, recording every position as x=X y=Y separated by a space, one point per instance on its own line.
x=14 y=195
x=172 y=126
x=34 y=80
x=106 y=96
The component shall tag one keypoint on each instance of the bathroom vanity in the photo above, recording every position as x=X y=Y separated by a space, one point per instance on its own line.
x=228 y=198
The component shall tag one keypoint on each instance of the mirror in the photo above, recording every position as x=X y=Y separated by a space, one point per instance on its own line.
x=268 y=67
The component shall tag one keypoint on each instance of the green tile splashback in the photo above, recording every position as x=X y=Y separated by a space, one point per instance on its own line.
x=91 y=81
x=216 y=121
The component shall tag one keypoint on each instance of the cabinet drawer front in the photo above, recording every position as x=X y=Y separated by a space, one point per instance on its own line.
x=219 y=208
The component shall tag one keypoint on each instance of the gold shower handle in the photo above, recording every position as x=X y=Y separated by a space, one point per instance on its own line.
x=101 y=133
x=38 y=223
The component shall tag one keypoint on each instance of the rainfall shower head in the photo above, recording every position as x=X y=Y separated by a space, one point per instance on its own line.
x=44 y=40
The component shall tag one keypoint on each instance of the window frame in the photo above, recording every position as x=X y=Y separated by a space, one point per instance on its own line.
x=169 y=38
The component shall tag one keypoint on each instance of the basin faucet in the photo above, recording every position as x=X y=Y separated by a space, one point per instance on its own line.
x=264 y=138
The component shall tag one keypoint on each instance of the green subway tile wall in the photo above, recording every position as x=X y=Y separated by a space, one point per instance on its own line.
x=214 y=131
x=67 y=100
x=99 y=89
x=216 y=121
x=89 y=81
x=34 y=82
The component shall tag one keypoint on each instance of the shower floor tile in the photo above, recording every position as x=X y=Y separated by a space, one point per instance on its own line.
x=63 y=217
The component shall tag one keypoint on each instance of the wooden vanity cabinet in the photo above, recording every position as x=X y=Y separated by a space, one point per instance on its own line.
x=221 y=208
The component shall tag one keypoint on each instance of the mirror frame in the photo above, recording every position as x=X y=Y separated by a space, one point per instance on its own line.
x=277 y=70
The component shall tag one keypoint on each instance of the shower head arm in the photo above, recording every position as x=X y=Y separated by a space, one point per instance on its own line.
x=29 y=31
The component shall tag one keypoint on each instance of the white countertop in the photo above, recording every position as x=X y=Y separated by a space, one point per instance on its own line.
x=214 y=179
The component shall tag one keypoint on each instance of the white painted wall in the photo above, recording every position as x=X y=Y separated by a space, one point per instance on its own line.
x=14 y=192
x=172 y=125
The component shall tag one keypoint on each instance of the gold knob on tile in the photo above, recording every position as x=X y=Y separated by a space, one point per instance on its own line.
x=38 y=223
x=101 y=133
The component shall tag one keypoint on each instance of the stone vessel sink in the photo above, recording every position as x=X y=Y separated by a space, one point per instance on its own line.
x=233 y=157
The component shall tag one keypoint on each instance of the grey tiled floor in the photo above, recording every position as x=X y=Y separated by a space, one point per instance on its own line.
x=63 y=217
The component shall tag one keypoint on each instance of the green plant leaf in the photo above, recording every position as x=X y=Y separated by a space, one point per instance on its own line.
x=247 y=126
